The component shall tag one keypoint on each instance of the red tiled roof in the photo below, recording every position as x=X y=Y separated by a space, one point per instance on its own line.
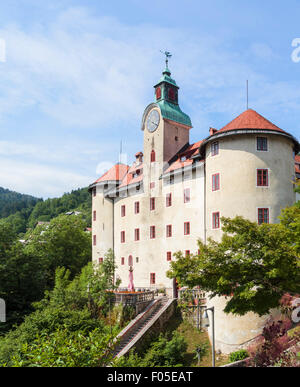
x=115 y=173
x=250 y=119
x=129 y=179
x=192 y=150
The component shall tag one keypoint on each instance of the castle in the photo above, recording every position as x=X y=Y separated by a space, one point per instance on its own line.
x=176 y=193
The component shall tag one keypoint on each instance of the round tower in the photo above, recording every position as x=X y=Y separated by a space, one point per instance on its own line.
x=103 y=211
x=249 y=171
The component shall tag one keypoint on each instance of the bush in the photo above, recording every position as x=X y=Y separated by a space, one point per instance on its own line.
x=238 y=355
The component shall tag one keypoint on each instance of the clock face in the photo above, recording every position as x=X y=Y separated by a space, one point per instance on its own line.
x=153 y=121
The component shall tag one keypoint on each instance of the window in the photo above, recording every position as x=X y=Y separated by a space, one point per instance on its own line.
x=130 y=260
x=262 y=144
x=123 y=211
x=216 y=182
x=215 y=148
x=122 y=261
x=216 y=220
x=152 y=232
x=169 y=231
x=152 y=185
x=94 y=240
x=171 y=94
x=169 y=200
x=122 y=236
x=100 y=260
x=152 y=204
x=137 y=207
x=137 y=234
x=152 y=156
x=158 y=93
x=187 y=228
x=262 y=178
x=137 y=259
x=94 y=191
x=263 y=215
x=169 y=256
x=187 y=253
x=187 y=195
x=94 y=216
x=152 y=278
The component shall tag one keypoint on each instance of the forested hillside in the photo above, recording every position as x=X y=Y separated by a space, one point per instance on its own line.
x=11 y=202
x=23 y=211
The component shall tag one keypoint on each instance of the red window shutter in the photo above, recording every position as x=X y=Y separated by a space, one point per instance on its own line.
x=123 y=211
x=187 y=253
x=152 y=157
x=187 y=228
x=94 y=240
x=171 y=94
x=122 y=236
x=187 y=195
x=216 y=220
x=137 y=207
x=216 y=182
x=100 y=260
x=152 y=204
x=152 y=232
x=130 y=260
x=122 y=261
x=152 y=185
x=262 y=144
x=263 y=215
x=262 y=178
x=152 y=278
x=94 y=216
x=169 y=256
x=215 y=148
x=169 y=231
x=169 y=200
x=137 y=234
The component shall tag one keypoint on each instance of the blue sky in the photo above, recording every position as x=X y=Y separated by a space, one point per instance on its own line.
x=79 y=73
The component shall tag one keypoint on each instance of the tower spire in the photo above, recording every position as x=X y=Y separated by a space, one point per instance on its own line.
x=168 y=55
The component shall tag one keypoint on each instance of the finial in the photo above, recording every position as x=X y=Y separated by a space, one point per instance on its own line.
x=168 y=55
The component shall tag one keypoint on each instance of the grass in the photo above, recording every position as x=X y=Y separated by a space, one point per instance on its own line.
x=193 y=338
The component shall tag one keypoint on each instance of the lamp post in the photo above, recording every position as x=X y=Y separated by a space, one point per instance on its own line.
x=205 y=323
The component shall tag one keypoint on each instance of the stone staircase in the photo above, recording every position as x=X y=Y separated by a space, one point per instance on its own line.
x=135 y=330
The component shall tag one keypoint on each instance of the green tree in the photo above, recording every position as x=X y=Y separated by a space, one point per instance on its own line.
x=253 y=265
x=64 y=349
x=62 y=243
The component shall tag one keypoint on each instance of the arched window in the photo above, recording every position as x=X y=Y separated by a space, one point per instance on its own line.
x=152 y=156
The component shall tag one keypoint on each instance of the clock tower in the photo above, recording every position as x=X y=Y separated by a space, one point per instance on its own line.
x=166 y=128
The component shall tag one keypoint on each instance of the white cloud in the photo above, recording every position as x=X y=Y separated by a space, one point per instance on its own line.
x=38 y=179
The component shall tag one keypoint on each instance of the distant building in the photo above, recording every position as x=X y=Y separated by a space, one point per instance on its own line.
x=176 y=192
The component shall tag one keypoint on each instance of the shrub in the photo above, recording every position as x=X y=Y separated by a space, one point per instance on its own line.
x=238 y=355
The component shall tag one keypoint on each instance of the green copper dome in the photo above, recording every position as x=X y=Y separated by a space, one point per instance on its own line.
x=169 y=106
x=174 y=113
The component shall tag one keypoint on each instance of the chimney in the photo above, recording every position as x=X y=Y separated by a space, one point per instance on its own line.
x=212 y=131
x=139 y=157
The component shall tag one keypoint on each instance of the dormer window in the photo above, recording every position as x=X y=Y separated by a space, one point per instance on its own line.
x=183 y=158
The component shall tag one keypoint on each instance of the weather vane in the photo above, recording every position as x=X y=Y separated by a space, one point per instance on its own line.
x=168 y=55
